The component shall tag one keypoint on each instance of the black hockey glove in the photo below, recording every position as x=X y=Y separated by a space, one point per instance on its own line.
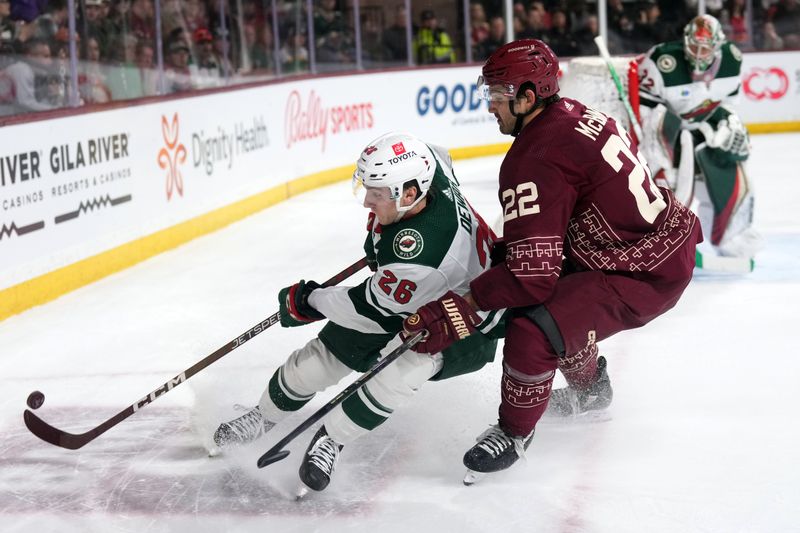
x=498 y=253
x=294 y=307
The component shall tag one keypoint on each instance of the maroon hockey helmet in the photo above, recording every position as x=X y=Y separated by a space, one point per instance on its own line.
x=517 y=62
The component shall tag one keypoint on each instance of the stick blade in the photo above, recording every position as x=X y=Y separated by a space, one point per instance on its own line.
x=52 y=435
x=272 y=457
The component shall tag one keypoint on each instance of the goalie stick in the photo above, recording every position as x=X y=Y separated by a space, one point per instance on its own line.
x=276 y=453
x=72 y=441
x=623 y=94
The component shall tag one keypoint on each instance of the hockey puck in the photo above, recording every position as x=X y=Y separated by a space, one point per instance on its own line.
x=35 y=399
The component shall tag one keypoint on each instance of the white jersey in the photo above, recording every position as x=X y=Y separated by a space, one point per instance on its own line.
x=665 y=77
x=441 y=249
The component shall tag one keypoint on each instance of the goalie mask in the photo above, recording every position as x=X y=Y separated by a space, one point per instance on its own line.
x=702 y=41
x=392 y=161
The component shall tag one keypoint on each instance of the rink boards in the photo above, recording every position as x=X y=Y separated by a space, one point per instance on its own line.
x=87 y=195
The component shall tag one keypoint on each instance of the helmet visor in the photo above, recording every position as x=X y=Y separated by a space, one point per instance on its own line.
x=364 y=193
x=359 y=191
x=495 y=92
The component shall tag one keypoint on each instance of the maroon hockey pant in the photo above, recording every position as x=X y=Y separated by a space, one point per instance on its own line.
x=587 y=307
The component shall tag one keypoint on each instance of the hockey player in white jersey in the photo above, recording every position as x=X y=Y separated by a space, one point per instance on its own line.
x=423 y=240
x=694 y=141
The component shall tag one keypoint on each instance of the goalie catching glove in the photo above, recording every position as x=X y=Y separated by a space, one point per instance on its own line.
x=294 y=307
x=447 y=320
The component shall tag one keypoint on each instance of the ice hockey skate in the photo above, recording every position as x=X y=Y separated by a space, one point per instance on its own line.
x=318 y=463
x=241 y=430
x=570 y=402
x=494 y=451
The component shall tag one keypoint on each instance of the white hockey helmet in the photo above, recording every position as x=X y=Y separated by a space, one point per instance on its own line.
x=702 y=41
x=392 y=160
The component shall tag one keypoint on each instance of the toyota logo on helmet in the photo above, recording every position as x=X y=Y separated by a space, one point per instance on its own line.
x=516 y=63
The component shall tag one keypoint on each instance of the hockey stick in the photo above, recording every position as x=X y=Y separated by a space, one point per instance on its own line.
x=72 y=441
x=623 y=94
x=276 y=453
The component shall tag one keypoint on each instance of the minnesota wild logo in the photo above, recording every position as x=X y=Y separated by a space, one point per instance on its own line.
x=407 y=244
x=666 y=63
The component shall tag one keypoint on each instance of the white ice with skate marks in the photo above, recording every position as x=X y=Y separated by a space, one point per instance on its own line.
x=702 y=435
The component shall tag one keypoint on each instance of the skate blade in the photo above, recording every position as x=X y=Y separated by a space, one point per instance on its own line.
x=472 y=477
x=301 y=492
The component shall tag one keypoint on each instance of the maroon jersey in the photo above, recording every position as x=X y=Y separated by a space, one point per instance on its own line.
x=574 y=186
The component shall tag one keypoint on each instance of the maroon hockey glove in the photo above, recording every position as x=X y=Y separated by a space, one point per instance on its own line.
x=294 y=307
x=447 y=320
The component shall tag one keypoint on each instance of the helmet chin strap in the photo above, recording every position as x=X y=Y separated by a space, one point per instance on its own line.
x=521 y=116
x=401 y=211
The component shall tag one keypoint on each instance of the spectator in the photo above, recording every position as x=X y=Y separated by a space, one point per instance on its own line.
x=496 y=39
x=559 y=37
x=333 y=52
x=259 y=46
x=547 y=21
x=172 y=17
x=651 y=29
x=786 y=20
x=328 y=19
x=616 y=10
x=394 y=42
x=58 y=84
x=28 y=76
x=91 y=81
x=142 y=19
x=7 y=33
x=622 y=40
x=48 y=24
x=206 y=70
x=534 y=23
x=195 y=14
x=145 y=62
x=432 y=44
x=771 y=40
x=177 y=75
x=123 y=78
x=734 y=24
x=294 y=52
x=98 y=26
x=577 y=13
x=585 y=37
x=479 y=26
x=371 y=34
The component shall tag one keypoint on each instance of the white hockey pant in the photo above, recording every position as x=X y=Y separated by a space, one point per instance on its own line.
x=313 y=368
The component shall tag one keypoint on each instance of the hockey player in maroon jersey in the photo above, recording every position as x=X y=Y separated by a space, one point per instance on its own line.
x=591 y=246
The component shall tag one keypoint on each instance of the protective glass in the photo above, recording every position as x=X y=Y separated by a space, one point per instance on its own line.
x=498 y=92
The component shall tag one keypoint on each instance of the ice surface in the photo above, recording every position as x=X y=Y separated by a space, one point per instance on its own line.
x=702 y=437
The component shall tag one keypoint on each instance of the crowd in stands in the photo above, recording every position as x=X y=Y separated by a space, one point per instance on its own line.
x=204 y=45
